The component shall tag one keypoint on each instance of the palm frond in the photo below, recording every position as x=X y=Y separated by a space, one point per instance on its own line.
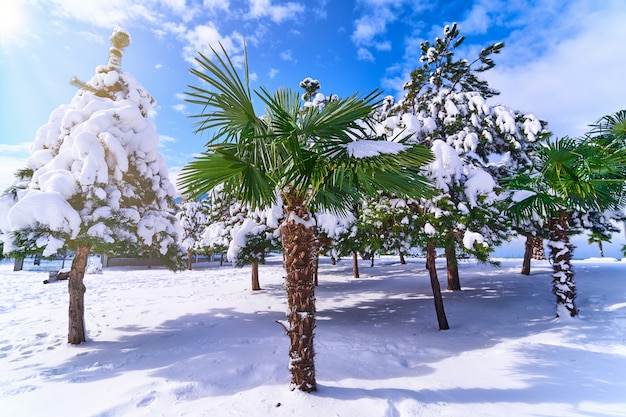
x=227 y=103
x=222 y=164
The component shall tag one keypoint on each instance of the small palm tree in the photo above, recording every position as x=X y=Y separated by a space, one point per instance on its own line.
x=308 y=155
x=569 y=175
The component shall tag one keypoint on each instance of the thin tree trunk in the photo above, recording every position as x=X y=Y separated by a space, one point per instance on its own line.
x=431 y=255
x=298 y=232
x=601 y=248
x=355 y=265
x=452 y=266
x=401 y=256
x=18 y=264
x=256 y=286
x=76 y=289
x=372 y=261
x=333 y=260
x=528 y=253
x=189 y=259
x=561 y=255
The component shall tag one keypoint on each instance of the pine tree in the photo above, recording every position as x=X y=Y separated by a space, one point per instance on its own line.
x=96 y=182
x=475 y=144
x=193 y=217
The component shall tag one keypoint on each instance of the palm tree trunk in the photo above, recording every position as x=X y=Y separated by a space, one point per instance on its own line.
x=528 y=253
x=452 y=265
x=538 y=253
x=298 y=232
x=431 y=255
x=561 y=255
x=355 y=265
x=76 y=289
x=256 y=286
x=601 y=248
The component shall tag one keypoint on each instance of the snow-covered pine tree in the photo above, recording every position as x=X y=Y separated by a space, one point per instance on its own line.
x=96 y=182
x=254 y=238
x=193 y=217
x=475 y=144
x=216 y=235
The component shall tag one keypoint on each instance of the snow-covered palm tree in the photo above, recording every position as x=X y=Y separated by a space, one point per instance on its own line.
x=316 y=156
x=569 y=174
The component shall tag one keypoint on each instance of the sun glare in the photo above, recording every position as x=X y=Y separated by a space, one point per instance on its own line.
x=11 y=18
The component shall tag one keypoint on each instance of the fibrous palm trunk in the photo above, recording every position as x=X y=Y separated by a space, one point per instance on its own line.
x=431 y=256
x=561 y=256
x=538 y=252
x=298 y=233
x=76 y=290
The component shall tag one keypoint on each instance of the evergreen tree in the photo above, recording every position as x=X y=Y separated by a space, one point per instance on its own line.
x=96 y=182
x=193 y=217
x=253 y=236
x=475 y=144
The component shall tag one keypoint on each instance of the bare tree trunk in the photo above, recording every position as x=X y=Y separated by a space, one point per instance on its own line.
x=76 y=289
x=452 y=266
x=401 y=256
x=528 y=253
x=601 y=248
x=18 y=264
x=333 y=260
x=298 y=232
x=355 y=264
x=561 y=255
x=317 y=268
x=256 y=286
x=372 y=261
x=189 y=259
x=431 y=255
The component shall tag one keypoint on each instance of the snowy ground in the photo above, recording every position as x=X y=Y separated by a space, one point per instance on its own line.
x=200 y=343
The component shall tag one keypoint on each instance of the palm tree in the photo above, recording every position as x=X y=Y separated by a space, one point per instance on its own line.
x=569 y=175
x=308 y=155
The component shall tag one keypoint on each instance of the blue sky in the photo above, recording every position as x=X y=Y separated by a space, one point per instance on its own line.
x=563 y=60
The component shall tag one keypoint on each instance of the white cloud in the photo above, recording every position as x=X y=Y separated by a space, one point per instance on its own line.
x=202 y=37
x=163 y=139
x=383 y=46
x=180 y=108
x=366 y=28
x=477 y=21
x=577 y=79
x=277 y=13
x=223 y=5
x=109 y=14
x=364 y=55
x=273 y=73
x=286 y=55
